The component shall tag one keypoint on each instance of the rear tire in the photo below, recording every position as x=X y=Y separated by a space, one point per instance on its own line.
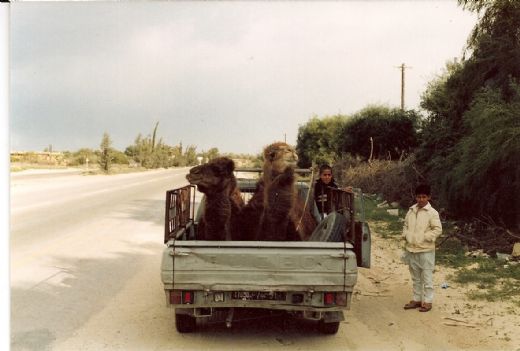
x=328 y=328
x=184 y=323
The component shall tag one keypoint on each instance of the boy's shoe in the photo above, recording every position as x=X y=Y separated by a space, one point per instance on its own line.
x=425 y=307
x=413 y=304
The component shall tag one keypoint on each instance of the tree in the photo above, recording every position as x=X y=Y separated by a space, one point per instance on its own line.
x=380 y=132
x=154 y=135
x=494 y=44
x=191 y=155
x=467 y=105
x=212 y=153
x=141 y=151
x=81 y=156
x=150 y=153
x=106 y=151
x=178 y=159
x=485 y=181
x=494 y=52
x=161 y=155
x=441 y=129
x=318 y=140
x=119 y=157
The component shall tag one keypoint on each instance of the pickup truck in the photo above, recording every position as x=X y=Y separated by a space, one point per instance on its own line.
x=309 y=279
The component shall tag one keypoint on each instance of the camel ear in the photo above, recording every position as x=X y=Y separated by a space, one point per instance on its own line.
x=230 y=166
x=269 y=154
x=226 y=166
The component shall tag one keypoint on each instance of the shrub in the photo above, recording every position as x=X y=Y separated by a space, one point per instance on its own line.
x=487 y=160
x=395 y=180
x=119 y=157
x=380 y=132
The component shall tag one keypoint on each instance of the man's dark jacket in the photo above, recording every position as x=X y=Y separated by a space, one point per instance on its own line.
x=323 y=195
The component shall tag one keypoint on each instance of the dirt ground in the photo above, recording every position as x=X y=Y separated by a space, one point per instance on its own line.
x=456 y=322
x=376 y=321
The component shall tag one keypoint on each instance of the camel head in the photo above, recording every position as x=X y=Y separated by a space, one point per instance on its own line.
x=214 y=176
x=278 y=157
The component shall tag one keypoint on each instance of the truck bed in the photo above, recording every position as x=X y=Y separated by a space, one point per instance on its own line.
x=259 y=266
x=259 y=274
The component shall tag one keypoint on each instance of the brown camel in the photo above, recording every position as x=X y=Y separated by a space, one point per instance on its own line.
x=223 y=201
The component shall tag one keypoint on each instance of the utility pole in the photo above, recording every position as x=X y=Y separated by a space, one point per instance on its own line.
x=402 y=67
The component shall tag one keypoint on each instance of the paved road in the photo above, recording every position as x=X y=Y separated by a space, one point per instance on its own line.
x=75 y=242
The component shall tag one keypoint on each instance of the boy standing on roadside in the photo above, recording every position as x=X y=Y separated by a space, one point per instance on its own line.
x=422 y=226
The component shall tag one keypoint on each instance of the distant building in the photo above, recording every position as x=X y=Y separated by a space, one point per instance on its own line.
x=40 y=157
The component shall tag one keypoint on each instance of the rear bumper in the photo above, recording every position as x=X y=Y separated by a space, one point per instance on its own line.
x=238 y=314
x=305 y=301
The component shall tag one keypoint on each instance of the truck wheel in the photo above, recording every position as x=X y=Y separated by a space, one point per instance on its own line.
x=328 y=328
x=330 y=229
x=184 y=323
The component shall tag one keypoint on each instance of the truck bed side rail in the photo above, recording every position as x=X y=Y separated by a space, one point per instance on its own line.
x=343 y=202
x=302 y=171
x=179 y=212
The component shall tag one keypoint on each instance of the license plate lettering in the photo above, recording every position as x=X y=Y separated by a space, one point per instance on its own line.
x=259 y=295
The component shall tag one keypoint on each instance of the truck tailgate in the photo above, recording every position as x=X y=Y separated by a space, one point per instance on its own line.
x=259 y=266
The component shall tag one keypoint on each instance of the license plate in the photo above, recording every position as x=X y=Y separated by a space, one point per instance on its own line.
x=259 y=295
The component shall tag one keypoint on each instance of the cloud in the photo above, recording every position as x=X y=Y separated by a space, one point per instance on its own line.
x=234 y=75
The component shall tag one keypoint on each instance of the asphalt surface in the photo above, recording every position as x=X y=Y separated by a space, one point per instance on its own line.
x=74 y=242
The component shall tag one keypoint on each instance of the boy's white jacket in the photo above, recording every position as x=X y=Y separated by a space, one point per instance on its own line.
x=421 y=227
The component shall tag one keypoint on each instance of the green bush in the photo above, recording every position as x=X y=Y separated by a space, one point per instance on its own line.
x=470 y=139
x=119 y=157
x=381 y=133
x=486 y=178
x=318 y=140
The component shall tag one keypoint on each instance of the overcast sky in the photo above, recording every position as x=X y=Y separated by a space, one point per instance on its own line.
x=231 y=75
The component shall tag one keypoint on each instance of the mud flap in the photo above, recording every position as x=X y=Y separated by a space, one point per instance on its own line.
x=362 y=244
x=366 y=246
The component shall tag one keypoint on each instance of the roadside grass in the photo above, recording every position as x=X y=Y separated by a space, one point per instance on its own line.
x=450 y=251
x=388 y=225
x=114 y=169
x=92 y=170
x=494 y=280
x=19 y=166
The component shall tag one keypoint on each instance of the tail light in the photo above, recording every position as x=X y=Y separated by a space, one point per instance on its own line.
x=329 y=298
x=175 y=297
x=188 y=297
x=341 y=298
x=178 y=297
